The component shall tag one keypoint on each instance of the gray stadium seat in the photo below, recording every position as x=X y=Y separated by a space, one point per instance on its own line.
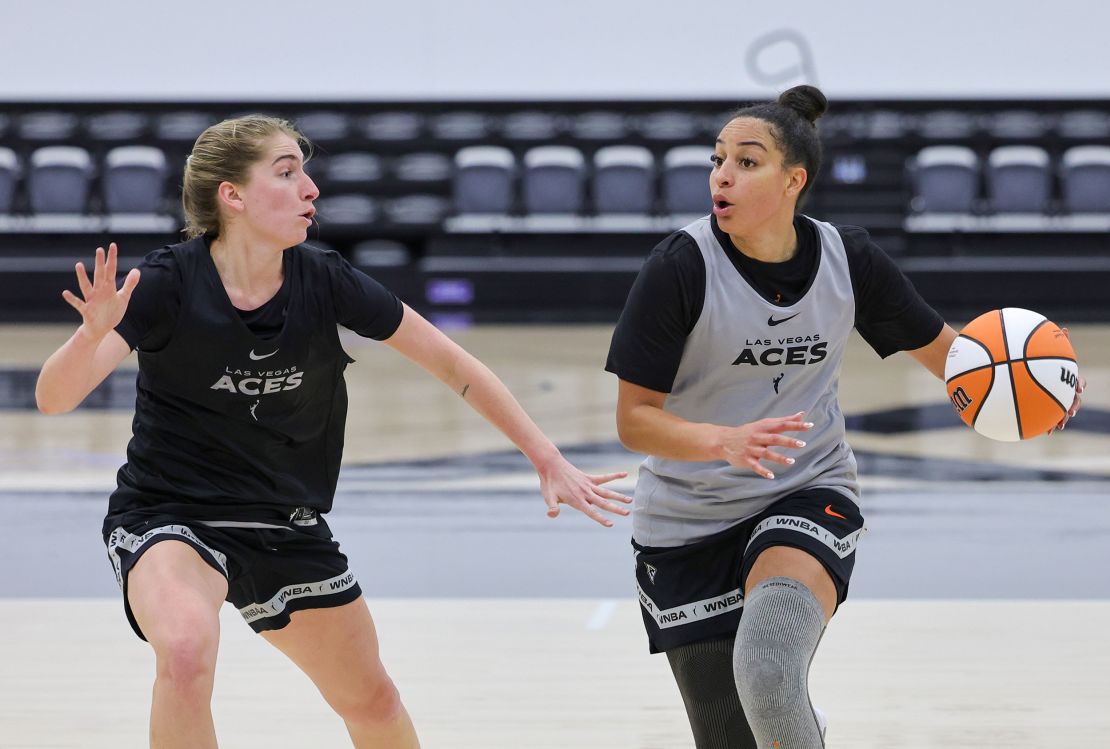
x=393 y=127
x=484 y=180
x=352 y=171
x=1017 y=124
x=599 y=126
x=48 y=127
x=324 y=128
x=346 y=210
x=684 y=180
x=1084 y=124
x=1085 y=178
x=455 y=127
x=669 y=126
x=58 y=180
x=380 y=253
x=9 y=178
x=423 y=167
x=623 y=180
x=553 y=180
x=947 y=125
x=532 y=126
x=182 y=128
x=1018 y=179
x=946 y=179
x=134 y=179
x=117 y=126
x=417 y=210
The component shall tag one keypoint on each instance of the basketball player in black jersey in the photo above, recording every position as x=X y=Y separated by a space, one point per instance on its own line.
x=734 y=322
x=238 y=432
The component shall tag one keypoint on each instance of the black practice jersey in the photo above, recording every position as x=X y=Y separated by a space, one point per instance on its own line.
x=666 y=300
x=241 y=414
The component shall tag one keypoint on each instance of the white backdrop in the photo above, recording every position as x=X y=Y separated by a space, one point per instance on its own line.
x=566 y=49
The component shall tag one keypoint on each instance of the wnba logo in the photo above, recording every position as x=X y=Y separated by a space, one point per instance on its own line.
x=960 y=399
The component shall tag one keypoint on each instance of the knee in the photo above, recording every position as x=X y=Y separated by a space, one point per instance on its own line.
x=378 y=704
x=187 y=659
x=769 y=677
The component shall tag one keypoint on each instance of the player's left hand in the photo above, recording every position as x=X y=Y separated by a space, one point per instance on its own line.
x=562 y=483
x=1079 y=388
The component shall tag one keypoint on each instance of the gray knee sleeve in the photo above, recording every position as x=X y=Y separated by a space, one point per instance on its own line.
x=778 y=635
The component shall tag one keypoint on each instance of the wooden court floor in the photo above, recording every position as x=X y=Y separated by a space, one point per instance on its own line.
x=555 y=669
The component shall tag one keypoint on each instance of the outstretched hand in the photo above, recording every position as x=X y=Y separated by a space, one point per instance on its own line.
x=562 y=483
x=101 y=305
x=744 y=446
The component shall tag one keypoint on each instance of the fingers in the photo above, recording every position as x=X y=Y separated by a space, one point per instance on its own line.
x=98 y=267
x=110 y=265
x=605 y=478
x=760 y=469
x=83 y=281
x=72 y=300
x=552 y=505
x=793 y=423
x=129 y=285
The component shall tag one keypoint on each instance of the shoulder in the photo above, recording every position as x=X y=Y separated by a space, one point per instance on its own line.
x=318 y=257
x=678 y=251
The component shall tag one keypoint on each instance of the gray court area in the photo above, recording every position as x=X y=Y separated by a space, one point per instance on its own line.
x=476 y=527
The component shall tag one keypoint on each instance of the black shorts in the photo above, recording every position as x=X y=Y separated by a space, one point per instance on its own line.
x=695 y=592
x=272 y=568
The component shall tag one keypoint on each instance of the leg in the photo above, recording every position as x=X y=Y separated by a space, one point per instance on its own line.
x=789 y=597
x=703 y=671
x=175 y=597
x=338 y=649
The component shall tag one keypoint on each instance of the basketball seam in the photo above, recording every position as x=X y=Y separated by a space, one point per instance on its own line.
x=981 y=345
x=1010 y=368
x=1025 y=346
x=1046 y=390
x=983 y=400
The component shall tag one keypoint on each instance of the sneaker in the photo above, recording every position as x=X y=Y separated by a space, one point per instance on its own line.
x=822 y=722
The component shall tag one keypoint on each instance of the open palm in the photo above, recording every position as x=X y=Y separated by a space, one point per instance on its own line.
x=101 y=305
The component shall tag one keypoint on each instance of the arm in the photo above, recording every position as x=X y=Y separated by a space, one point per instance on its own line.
x=560 y=482
x=95 y=349
x=645 y=427
x=933 y=355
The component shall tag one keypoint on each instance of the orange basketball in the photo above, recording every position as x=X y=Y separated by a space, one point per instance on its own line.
x=1011 y=374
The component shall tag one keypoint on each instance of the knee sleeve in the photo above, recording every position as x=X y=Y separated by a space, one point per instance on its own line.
x=703 y=671
x=778 y=635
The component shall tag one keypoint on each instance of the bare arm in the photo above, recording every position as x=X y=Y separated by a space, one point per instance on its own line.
x=95 y=349
x=645 y=427
x=934 y=355
x=423 y=343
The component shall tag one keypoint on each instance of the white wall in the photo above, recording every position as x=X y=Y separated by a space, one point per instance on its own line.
x=576 y=49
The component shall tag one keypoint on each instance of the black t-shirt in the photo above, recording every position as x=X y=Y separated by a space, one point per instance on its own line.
x=666 y=300
x=240 y=416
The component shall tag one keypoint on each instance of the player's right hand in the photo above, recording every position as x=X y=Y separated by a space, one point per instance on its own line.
x=101 y=305
x=744 y=446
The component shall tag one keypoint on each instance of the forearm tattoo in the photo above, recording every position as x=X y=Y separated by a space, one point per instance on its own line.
x=465 y=388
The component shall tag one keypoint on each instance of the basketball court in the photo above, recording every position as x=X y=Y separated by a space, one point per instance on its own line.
x=977 y=616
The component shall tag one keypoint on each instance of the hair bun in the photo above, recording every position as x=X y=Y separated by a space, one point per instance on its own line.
x=808 y=101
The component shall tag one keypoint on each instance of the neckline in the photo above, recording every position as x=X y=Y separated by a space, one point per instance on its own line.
x=726 y=246
x=233 y=311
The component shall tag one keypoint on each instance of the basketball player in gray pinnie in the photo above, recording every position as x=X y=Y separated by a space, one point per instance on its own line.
x=238 y=433
x=728 y=352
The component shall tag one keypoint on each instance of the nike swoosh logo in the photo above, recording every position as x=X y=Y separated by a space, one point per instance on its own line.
x=830 y=511
x=772 y=321
x=256 y=357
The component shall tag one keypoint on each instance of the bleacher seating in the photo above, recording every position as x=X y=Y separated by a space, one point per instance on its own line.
x=574 y=188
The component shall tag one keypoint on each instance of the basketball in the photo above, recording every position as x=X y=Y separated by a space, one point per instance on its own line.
x=1011 y=374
